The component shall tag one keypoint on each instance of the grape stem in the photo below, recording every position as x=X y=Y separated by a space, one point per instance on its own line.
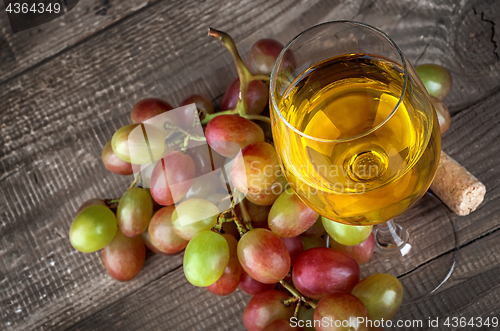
x=136 y=179
x=297 y=294
x=258 y=118
x=246 y=216
x=243 y=73
x=297 y=308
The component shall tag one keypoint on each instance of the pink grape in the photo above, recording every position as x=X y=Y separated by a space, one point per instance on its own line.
x=124 y=257
x=382 y=294
x=255 y=168
x=230 y=279
x=362 y=253
x=203 y=156
x=265 y=308
x=263 y=256
x=147 y=242
x=134 y=212
x=202 y=103
x=228 y=134
x=113 y=163
x=257 y=96
x=161 y=232
x=443 y=114
x=172 y=178
x=251 y=286
x=268 y=196
x=147 y=108
x=320 y=271
x=263 y=55
x=289 y=216
x=342 y=311
x=294 y=245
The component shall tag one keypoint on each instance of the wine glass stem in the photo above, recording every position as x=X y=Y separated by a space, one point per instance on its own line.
x=390 y=235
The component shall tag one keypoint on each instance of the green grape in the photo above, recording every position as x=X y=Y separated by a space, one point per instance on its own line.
x=205 y=258
x=348 y=235
x=134 y=212
x=193 y=216
x=92 y=229
x=306 y=315
x=437 y=80
x=382 y=294
x=130 y=145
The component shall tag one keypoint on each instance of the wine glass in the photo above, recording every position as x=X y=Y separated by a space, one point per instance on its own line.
x=359 y=141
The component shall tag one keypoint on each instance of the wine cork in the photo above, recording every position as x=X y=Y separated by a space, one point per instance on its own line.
x=457 y=187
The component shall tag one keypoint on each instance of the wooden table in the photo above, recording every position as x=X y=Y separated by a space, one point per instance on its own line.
x=67 y=85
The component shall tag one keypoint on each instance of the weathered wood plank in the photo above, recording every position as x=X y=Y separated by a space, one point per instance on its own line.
x=58 y=115
x=27 y=48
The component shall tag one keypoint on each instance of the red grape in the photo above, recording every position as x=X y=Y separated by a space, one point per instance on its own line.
x=320 y=271
x=113 y=163
x=147 y=242
x=230 y=279
x=340 y=311
x=289 y=216
x=255 y=168
x=172 y=177
x=161 y=232
x=124 y=257
x=443 y=114
x=294 y=245
x=362 y=253
x=202 y=103
x=263 y=55
x=251 y=286
x=265 y=308
x=257 y=96
x=134 y=211
x=268 y=196
x=263 y=256
x=228 y=134
x=437 y=80
x=313 y=242
x=317 y=230
x=382 y=294
x=147 y=108
x=203 y=157
x=91 y=202
x=282 y=325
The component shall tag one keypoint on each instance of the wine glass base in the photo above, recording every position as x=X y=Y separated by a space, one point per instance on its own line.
x=427 y=256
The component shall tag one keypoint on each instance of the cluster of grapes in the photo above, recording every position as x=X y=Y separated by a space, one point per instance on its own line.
x=270 y=244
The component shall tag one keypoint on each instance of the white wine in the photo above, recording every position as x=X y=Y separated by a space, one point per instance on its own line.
x=354 y=148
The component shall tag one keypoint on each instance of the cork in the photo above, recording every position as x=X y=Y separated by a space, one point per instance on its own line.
x=456 y=187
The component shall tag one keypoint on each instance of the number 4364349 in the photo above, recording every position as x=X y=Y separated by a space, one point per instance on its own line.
x=39 y=8
x=456 y=322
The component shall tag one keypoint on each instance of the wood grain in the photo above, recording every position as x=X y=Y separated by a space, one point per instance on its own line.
x=28 y=48
x=59 y=112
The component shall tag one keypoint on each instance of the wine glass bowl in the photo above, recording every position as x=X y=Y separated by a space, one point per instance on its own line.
x=356 y=134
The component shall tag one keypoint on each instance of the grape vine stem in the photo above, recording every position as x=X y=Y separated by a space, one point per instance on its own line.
x=297 y=294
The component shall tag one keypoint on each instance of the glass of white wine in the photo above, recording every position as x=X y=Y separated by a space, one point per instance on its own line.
x=357 y=137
